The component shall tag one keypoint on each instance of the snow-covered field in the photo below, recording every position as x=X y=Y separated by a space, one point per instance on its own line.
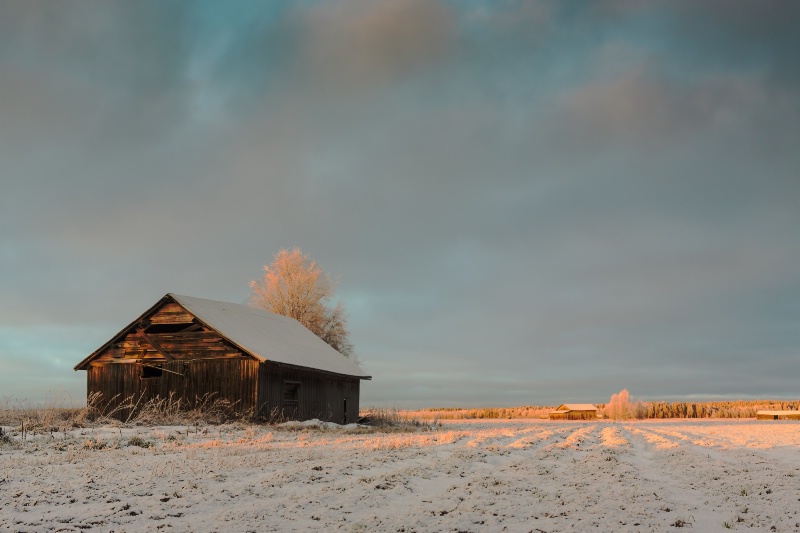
x=520 y=475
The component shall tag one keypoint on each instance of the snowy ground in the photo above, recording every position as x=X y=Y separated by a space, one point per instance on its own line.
x=520 y=475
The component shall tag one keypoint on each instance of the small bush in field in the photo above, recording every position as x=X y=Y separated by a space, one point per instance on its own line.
x=5 y=438
x=140 y=442
x=95 y=444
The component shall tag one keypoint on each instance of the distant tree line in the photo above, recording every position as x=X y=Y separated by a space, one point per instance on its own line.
x=712 y=409
x=461 y=413
x=620 y=407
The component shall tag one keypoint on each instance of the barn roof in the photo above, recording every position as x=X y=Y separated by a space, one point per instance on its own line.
x=576 y=407
x=264 y=335
x=778 y=413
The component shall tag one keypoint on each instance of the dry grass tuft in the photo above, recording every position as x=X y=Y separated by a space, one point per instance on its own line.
x=5 y=439
x=393 y=419
x=382 y=417
x=140 y=442
x=170 y=411
x=456 y=413
x=54 y=415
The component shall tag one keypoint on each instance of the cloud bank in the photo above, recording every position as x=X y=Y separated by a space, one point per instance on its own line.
x=525 y=202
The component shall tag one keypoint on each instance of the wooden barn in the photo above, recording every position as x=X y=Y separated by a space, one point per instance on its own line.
x=778 y=415
x=574 y=411
x=266 y=364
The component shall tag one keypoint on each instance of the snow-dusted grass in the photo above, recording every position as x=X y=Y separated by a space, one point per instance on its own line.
x=56 y=415
x=455 y=413
x=518 y=475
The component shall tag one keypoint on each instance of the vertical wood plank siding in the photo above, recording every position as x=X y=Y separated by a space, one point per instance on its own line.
x=191 y=382
x=321 y=395
x=574 y=415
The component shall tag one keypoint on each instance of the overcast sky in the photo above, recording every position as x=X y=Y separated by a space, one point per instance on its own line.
x=524 y=202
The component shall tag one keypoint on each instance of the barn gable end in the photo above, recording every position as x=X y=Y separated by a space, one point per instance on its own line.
x=168 y=333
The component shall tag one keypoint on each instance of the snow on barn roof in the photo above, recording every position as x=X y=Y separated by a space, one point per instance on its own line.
x=576 y=407
x=263 y=335
x=269 y=336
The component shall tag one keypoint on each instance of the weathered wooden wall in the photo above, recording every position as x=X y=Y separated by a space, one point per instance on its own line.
x=117 y=385
x=783 y=416
x=171 y=331
x=191 y=382
x=574 y=415
x=253 y=387
x=321 y=395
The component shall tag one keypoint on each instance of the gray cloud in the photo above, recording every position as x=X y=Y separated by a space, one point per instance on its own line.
x=523 y=202
x=351 y=44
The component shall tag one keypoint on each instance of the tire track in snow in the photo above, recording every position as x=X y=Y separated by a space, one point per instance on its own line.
x=716 y=485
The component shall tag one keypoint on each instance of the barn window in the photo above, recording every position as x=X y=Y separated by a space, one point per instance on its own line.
x=167 y=328
x=291 y=392
x=150 y=372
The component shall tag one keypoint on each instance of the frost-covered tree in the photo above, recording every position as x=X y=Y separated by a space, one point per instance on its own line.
x=295 y=286
x=619 y=407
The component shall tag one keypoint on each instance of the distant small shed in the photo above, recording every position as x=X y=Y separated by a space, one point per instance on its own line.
x=574 y=411
x=778 y=415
